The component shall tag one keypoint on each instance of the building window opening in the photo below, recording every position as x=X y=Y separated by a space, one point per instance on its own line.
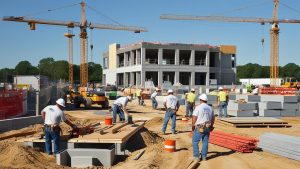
x=200 y=58
x=184 y=57
x=168 y=57
x=151 y=56
x=200 y=78
x=185 y=78
x=152 y=76
x=169 y=77
x=121 y=60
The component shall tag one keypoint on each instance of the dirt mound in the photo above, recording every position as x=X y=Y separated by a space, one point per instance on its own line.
x=153 y=122
x=14 y=155
x=142 y=139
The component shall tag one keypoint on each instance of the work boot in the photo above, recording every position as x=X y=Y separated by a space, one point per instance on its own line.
x=196 y=159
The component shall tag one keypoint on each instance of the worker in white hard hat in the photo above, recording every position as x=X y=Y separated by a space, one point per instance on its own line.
x=53 y=115
x=190 y=99
x=202 y=124
x=153 y=98
x=171 y=104
x=222 y=102
x=120 y=107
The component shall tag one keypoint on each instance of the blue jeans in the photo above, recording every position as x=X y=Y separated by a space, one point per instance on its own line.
x=169 y=114
x=197 y=136
x=223 y=105
x=154 y=103
x=49 y=136
x=189 y=108
x=117 y=110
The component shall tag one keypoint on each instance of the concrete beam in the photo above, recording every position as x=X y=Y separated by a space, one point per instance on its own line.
x=18 y=123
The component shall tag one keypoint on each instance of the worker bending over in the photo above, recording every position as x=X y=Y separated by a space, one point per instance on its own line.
x=202 y=123
x=153 y=98
x=171 y=104
x=120 y=107
x=222 y=102
x=190 y=103
x=53 y=115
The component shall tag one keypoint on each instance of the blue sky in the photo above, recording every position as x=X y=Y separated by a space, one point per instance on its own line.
x=19 y=43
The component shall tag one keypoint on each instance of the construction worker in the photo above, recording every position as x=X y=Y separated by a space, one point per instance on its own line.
x=190 y=103
x=53 y=115
x=153 y=98
x=138 y=94
x=119 y=107
x=202 y=123
x=222 y=102
x=171 y=104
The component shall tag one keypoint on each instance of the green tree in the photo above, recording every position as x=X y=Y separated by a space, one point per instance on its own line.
x=95 y=72
x=60 y=70
x=46 y=67
x=6 y=72
x=25 y=68
x=290 y=70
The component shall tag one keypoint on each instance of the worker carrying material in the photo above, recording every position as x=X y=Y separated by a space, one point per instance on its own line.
x=190 y=99
x=53 y=115
x=171 y=104
x=119 y=107
x=153 y=98
x=222 y=102
x=202 y=123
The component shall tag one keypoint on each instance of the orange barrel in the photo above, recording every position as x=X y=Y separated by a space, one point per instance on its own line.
x=170 y=145
x=108 y=121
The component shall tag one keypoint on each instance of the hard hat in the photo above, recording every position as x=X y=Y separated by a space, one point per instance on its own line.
x=192 y=90
x=170 y=91
x=61 y=102
x=220 y=88
x=203 y=97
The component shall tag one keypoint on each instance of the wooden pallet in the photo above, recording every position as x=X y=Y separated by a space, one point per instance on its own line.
x=253 y=122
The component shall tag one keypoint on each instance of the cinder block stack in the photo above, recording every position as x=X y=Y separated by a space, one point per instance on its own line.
x=241 y=109
x=283 y=145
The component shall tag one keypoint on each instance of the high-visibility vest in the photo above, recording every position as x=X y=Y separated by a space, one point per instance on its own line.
x=138 y=93
x=222 y=96
x=191 y=97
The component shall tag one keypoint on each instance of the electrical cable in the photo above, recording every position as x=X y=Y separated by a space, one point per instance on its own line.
x=105 y=16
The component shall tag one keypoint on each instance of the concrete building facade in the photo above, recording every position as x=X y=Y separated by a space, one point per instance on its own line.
x=188 y=64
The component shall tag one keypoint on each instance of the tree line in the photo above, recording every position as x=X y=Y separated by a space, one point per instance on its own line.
x=252 y=70
x=55 y=70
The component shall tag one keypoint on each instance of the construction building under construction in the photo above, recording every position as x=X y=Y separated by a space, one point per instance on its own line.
x=187 y=64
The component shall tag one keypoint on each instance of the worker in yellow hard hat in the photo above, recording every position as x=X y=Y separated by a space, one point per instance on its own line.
x=190 y=103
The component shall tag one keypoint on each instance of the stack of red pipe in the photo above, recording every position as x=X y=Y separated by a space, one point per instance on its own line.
x=233 y=142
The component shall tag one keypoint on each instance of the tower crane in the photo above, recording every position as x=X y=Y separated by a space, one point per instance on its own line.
x=274 y=32
x=83 y=25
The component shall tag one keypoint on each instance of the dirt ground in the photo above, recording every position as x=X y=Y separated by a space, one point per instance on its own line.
x=13 y=155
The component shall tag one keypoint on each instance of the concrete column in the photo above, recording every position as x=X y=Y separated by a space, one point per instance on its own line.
x=176 y=79
x=160 y=78
x=143 y=56
x=131 y=78
x=177 y=57
x=138 y=57
x=207 y=79
x=138 y=78
x=160 y=56
x=220 y=69
x=143 y=75
x=126 y=59
x=132 y=58
x=192 y=81
x=207 y=60
x=192 y=58
x=126 y=79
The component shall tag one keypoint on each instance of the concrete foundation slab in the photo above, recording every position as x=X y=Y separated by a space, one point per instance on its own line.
x=269 y=113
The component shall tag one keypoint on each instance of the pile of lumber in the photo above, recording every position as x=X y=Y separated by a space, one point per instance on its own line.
x=253 y=122
x=280 y=144
x=233 y=142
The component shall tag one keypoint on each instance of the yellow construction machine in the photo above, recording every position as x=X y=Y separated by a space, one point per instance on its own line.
x=290 y=82
x=88 y=97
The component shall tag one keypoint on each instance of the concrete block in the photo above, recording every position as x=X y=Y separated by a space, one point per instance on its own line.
x=270 y=105
x=297 y=113
x=269 y=113
x=81 y=161
x=253 y=98
x=290 y=106
x=18 y=123
x=212 y=97
x=241 y=106
x=279 y=98
x=232 y=97
x=288 y=113
x=243 y=113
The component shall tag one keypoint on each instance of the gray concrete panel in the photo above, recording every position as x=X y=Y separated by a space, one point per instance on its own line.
x=254 y=98
x=288 y=113
x=81 y=161
x=279 y=98
x=269 y=113
x=241 y=106
x=242 y=113
x=270 y=105
x=18 y=123
x=290 y=106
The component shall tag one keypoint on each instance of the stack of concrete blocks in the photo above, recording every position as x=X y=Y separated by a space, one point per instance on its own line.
x=248 y=109
x=278 y=105
x=283 y=145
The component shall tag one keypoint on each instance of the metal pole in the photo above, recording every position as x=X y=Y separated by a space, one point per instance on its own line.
x=37 y=103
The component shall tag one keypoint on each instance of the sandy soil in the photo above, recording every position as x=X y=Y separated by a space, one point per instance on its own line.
x=13 y=155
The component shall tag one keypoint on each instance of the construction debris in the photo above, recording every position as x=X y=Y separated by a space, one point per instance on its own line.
x=283 y=145
x=233 y=142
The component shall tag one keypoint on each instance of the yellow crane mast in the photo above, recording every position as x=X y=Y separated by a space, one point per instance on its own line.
x=83 y=25
x=274 y=32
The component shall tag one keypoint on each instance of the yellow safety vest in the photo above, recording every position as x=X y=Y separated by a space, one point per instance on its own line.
x=191 y=97
x=222 y=96
x=138 y=93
